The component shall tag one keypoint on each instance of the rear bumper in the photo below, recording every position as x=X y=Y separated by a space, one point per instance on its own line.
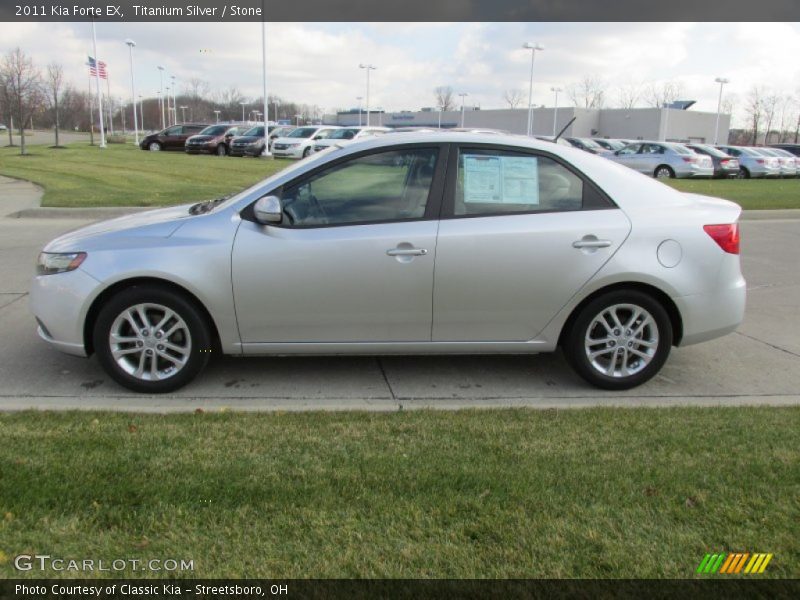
x=712 y=315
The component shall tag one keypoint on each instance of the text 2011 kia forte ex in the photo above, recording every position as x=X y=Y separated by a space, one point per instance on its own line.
x=404 y=244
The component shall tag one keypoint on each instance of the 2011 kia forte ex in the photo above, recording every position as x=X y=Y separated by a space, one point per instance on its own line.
x=404 y=244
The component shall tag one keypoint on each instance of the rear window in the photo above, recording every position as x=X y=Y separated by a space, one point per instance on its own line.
x=681 y=149
x=303 y=132
x=215 y=130
x=710 y=150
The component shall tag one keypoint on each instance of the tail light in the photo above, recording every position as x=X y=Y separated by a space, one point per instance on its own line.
x=726 y=236
x=760 y=161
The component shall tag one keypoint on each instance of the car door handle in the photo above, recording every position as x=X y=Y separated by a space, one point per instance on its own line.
x=591 y=243
x=407 y=252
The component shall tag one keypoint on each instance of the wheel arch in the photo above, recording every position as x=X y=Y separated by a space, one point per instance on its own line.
x=94 y=309
x=657 y=294
x=664 y=166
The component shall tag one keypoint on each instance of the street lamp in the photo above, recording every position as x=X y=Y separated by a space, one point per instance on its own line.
x=463 y=95
x=161 y=96
x=169 y=110
x=141 y=110
x=533 y=47
x=368 y=68
x=555 y=110
x=721 y=81
x=183 y=113
x=174 y=99
x=359 y=98
x=264 y=84
x=216 y=113
x=243 y=105
x=131 y=44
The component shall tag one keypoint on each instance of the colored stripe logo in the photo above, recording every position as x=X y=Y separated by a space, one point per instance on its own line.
x=734 y=563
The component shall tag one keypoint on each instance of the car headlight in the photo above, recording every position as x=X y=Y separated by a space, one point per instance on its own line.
x=50 y=263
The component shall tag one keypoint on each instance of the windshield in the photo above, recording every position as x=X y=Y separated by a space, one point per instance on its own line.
x=343 y=134
x=215 y=130
x=749 y=152
x=303 y=132
x=255 y=132
x=711 y=151
x=589 y=143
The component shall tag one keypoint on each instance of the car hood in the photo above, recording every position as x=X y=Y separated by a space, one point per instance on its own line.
x=161 y=222
x=288 y=140
x=201 y=138
x=247 y=138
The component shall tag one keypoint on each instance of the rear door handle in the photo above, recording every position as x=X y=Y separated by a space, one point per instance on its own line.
x=591 y=243
x=407 y=252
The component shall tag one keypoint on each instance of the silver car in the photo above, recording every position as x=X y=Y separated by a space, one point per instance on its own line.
x=412 y=244
x=787 y=161
x=753 y=164
x=664 y=160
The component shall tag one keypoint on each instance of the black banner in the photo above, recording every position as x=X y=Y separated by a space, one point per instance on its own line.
x=417 y=589
x=399 y=10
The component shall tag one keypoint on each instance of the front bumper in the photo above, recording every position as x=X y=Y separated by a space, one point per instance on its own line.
x=246 y=150
x=200 y=149
x=291 y=152
x=60 y=303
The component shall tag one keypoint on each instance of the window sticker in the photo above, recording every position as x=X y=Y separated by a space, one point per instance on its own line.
x=501 y=179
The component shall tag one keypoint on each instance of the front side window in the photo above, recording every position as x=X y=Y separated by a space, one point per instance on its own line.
x=385 y=186
x=177 y=130
x=629 y=150
x=496 y=182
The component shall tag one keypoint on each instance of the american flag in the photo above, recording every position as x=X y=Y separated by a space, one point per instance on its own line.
x=92 y=64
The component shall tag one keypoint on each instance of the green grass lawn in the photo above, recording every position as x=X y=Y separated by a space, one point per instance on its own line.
x=748 y=193
x=503 y=493
x=123 y=175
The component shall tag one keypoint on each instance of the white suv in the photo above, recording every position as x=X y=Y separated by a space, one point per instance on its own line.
x=300 y=142
x=347 y=135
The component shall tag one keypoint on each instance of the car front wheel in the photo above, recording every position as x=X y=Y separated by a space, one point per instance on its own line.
x=222 y=150
x=154 y=147
x=664 y=172
x=619 y=340
x=151 y=339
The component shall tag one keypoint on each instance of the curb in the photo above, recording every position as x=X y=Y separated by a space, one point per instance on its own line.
x=764 y=215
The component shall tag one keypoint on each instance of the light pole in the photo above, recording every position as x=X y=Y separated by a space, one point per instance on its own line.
x=97 y=82
x=264 y=82
x=131 y=44
x=721 y=81
x=183 y=113
x=359 y=98
x=216 y=114
x=141 y=110
x=243 y=105
x=174 y=99
x=298 y=117
x=533 y=47
x=555 y=110
x=463 y=95
x=440 y=115
x=161 y=96
x=368 y=68
x=169 y=110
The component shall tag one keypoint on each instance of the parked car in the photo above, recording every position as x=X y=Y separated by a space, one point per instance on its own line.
x=725 y=166
x=791 y=148
x=788 y=162
x=171 y=138
x=249 y=143
x=300 y=142
x=664 y=160
x=412 y=244
x=610 y=145
x=787 y=154
x=3 y=127
x=751 y=163
x=276 y=131
x=588 y=145
x=214 y=139
x=347 y=135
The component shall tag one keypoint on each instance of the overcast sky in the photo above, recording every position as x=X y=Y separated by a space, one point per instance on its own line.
x=317 y=63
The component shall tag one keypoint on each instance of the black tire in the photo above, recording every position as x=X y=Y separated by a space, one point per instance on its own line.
x=222 y=150
x=199 y=338
x=664 y=172
x=575 y=349
x=306 y=152
x=743 y=173
x=154 y=147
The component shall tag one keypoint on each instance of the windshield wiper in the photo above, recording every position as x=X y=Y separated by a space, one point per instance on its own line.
x=202 y=208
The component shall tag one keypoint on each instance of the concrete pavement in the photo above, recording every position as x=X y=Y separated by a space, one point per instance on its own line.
x=760 y=364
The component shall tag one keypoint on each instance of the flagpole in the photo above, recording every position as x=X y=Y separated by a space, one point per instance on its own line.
x=110 y=105
x=97 y=81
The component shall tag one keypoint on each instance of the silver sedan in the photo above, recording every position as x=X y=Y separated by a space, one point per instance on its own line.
x=455 y=243
x=664 y=160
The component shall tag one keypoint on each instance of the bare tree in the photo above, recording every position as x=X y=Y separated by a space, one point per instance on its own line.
x=513 y=97
x=770 y=107
x=629 y=94
x=444 y=97
x=5 y=108
x=657 y=95
x=754 y=109
x=588 y=93
x=55 y=81
x=23 y=84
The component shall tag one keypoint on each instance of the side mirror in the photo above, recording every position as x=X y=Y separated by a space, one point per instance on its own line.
x=268 y=210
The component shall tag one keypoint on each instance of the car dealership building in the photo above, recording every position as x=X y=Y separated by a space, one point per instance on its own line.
x=624 y=123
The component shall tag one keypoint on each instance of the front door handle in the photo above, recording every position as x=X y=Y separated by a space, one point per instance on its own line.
x=407 y=252
x=590 y=242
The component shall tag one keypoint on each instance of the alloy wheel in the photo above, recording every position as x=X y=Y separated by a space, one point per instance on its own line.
x=621 y=340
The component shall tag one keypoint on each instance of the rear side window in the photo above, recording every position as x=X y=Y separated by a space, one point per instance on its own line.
x=491 y=182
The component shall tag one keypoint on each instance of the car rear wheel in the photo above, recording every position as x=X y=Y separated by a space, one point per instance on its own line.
x=664 y=172
x=743 y=173
x=154 y=147
x=222 y=150
x=151 y=339
x=306 y=152
x=619 y=340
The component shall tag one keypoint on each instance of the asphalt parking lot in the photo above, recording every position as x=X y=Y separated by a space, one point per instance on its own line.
x=759 y=364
